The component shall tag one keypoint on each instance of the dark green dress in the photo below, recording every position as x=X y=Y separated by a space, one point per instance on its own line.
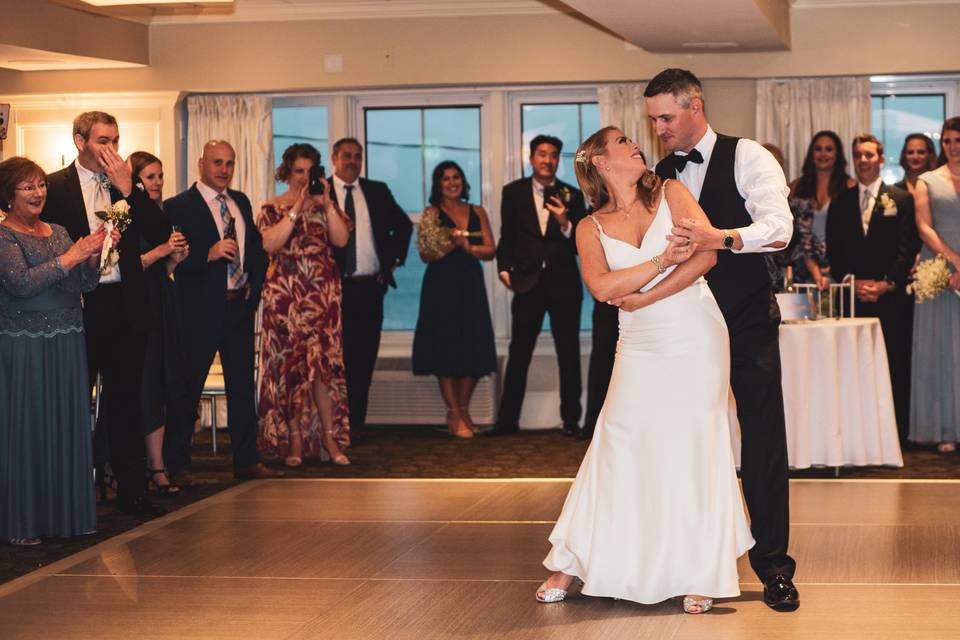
x=46 y=470
x=454 y=335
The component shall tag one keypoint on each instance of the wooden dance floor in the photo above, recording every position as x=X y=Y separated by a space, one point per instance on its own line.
x=347 y=559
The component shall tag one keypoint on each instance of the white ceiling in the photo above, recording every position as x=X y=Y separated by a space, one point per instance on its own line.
x=26 y=59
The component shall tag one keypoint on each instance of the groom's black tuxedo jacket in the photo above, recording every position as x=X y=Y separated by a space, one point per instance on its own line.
x=888 y=249
x=65 y=206
x=391 y=228
x=526 y=253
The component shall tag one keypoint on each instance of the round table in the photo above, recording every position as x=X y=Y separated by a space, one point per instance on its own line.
x=836 y=394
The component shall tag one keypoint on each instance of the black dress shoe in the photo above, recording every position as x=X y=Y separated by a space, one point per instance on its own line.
x=585 y=434
x=502 y=430
x=140 y=506
x=571 y=429
x=779 y=593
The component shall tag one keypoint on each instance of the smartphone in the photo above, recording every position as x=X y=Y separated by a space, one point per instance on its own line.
x=316 y=186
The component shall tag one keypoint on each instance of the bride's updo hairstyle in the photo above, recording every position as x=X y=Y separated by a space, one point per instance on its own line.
x=591 y=181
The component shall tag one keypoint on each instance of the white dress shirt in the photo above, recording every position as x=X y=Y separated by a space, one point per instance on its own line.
x=867 y=212
x=210 y=197
x=94 y=199
x=367 y=262
x=543 y=214
x=761 y=184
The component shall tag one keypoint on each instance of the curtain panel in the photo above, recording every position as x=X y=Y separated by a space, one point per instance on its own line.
x=789 y=112
x=246 y=122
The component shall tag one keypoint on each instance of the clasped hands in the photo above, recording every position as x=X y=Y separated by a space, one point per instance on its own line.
x=871 y=290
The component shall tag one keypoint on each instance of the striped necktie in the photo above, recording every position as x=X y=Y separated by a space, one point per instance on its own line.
x=236 y=278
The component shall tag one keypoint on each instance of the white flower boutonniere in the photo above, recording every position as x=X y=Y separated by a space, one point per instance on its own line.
x=889 y=206
x=565 y=195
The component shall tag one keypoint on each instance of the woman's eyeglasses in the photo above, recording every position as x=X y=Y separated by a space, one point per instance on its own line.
x=33 y=188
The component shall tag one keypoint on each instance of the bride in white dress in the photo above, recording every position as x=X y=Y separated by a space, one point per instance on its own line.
x=655 y=511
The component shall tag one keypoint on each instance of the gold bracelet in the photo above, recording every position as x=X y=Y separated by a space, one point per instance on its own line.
x=656 y=262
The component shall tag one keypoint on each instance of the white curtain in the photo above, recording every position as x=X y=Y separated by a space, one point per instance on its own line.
x=789 y=112
x=246 y=122
x=623 y=106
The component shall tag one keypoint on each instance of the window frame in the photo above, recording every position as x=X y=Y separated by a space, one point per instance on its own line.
x=400 y=342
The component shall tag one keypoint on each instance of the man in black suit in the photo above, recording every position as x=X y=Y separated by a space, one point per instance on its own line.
x=219 y=285
x=115 y=313
x=872 y=233
x=741 y=188
x=379 y=240
x=537 y=260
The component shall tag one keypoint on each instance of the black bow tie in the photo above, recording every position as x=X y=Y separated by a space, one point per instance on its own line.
x=680 y=162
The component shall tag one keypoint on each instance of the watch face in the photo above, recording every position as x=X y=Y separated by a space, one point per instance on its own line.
x=728 y=241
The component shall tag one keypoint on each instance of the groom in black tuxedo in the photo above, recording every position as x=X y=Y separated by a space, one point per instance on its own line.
x=872 y=233
x=741 y=188
x=536 y=259
x=115 y=313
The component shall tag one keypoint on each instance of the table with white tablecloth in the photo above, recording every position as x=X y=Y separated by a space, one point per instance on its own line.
x=837 y=396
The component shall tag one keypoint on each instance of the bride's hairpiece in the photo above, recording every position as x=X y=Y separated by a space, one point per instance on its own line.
x=581 y=156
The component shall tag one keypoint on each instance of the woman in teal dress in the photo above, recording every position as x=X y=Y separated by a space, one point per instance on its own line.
x=454 y=335
x=46 y=468
x=935 y=372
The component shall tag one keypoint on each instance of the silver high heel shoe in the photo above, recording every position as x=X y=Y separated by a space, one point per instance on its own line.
x=549 y=595
x=697 y=605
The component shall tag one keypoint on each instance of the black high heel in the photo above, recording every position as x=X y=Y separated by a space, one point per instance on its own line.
x=163 y=490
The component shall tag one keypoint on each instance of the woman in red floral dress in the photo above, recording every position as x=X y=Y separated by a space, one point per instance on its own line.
x=303 y=396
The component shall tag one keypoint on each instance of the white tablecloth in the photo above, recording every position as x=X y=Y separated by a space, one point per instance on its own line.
x=836 y=393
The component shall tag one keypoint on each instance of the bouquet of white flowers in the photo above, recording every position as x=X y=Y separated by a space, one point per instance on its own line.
x=931 y=279
x=117 y=216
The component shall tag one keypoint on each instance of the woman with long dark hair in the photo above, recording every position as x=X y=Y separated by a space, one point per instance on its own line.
x=917 y=156
x=454 y=335
x=823 y=177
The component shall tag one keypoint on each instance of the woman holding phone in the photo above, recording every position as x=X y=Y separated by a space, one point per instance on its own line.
x=303 y=394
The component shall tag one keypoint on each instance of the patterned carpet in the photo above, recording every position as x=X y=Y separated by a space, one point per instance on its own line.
x=419 y=452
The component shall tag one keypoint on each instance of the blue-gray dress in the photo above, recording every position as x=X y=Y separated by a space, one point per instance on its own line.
x=46 y=472
x=935 y=377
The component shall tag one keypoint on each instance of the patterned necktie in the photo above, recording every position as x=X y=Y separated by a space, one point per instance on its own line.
x=351 y=210
x=103 y=191
x=235 y=275
x=680 y=162
x=866 y=211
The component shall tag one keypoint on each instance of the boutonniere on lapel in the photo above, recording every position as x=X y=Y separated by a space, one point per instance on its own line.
x=889 y=206
x=565 y=195
x=117 y=216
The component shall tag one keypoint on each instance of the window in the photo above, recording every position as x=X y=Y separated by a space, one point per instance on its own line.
x=403 y=145
x=292 y=124
x=901 y=105
x=572 y=123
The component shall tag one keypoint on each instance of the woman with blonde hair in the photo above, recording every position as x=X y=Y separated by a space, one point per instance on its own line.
x=655 y=511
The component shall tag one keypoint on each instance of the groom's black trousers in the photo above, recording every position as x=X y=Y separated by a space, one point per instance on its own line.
x=756 y=381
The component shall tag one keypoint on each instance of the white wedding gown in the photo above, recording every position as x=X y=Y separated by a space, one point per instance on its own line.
x=655 y=510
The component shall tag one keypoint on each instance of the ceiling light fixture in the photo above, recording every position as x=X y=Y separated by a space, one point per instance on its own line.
x=126 y=3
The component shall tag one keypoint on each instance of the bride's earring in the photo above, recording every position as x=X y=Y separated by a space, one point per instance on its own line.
x=607 y=168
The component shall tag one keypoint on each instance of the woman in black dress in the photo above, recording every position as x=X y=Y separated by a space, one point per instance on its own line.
x=454 y=335
x=163 y=376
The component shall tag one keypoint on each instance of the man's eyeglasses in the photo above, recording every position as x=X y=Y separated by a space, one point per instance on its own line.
x=33 y=188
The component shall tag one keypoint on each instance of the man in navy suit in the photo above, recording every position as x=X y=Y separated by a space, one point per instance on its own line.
x=537 y=260
x=379 y=238
x=219 y=285
x=115 y=313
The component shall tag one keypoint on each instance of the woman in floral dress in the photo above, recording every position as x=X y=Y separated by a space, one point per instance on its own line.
x=303 y=395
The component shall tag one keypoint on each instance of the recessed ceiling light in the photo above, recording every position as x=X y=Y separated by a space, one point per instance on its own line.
x=709 y=45
x=118 y=3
